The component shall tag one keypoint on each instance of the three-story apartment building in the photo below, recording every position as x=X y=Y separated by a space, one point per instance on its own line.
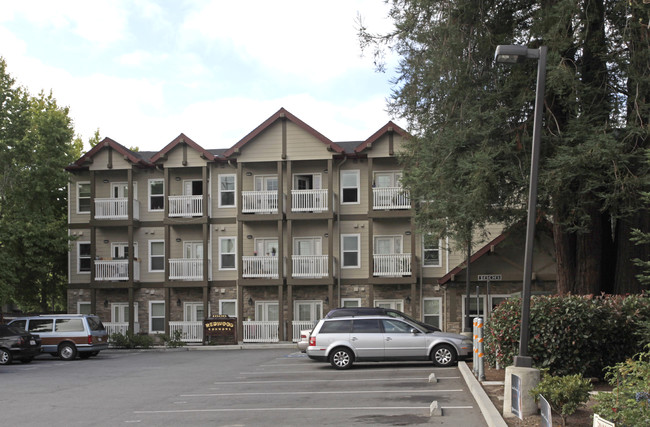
x=275 y=231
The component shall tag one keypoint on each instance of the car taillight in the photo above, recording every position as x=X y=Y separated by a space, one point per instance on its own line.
x=21 y=341
x=312 y=341
x=90 y=339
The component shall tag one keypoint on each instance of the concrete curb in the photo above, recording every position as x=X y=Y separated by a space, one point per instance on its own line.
x=492 y=416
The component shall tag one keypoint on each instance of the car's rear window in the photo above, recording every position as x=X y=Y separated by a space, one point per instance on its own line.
x=41 y=325
x=336 y=327
x=69 y=325
x=366 y=326
x=6 y=330
x=19 y=323
x=95 y=324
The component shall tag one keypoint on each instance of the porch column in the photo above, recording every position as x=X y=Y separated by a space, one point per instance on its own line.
x=290 y=310
x=168 y=309
x=131 y=311
x=281 y=334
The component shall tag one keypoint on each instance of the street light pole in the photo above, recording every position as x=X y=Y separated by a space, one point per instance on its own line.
x=514 y=54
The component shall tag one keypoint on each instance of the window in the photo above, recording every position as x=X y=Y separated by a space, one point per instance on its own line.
x=350 y=250
x=267 y=311
x=228 y=307
x=350 y=186
x=83 y=257
x=430 y=251
x=226 y=191
x=156 y=317
x=351 y=302
x=396 y=327
x=366 y=326
x=336 y=327
x=474 y=310
x=388 y=245
x=156 y=194
x=68 y=325
x=227 y=253
x=156 y=255
x=387 y=179
x=395 y=304
x=308 y=311
x=120 y=312
x=120 y=190
x=431 y=310
x=41 y=325
x=83 y=307
x=83 y=197
x=266 y=183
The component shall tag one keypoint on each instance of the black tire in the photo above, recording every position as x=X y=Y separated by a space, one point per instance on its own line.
x=341 y=358
x=85 y=355
x=5 y=357
x=443 y=355
x=67 y=351
x=26 y=360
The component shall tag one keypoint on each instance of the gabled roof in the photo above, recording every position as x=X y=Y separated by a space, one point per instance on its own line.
x=182 y=139
x=478 y=254
x=280 y=114
x=388 y=127
x=129 y=155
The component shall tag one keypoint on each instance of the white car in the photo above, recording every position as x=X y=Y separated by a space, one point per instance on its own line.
x=303 y=343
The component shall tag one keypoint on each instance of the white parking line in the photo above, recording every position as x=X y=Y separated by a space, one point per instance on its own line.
x=275 y=393
x=316 y=381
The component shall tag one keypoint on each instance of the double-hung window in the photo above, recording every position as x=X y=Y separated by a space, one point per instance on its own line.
x=432 y=311
x=156 y=194
x=350 y=186
x=227 y=253
x=350 y=248
x=156 y=317
x=83 y=257
x=156 y=255
x=226 y=191
x=83 y=197
x=430 y=251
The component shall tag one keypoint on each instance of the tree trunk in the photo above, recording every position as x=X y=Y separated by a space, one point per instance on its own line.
x=564 y=258
x=589 y=257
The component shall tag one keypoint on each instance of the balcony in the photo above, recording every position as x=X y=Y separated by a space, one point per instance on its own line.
x=115 y=208
x=390 y=198
x=309 y=266
x=308 y=200
x=393 y=265
x=190 y=331
x=259 y=202
x=186 y=269
x=260 y=267
x=120 y=328
x=115 y=270
x=255 y=331
x=185 y=206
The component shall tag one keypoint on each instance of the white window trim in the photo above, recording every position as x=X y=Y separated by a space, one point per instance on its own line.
x=125 y=183
x=315 y=304
x=439 y=299
x=439 y=255
x=394 y=174
x=234 y=191
x=124 y=304
x=163 y=256
x=492 y=296
x=358 y=236
x=79 y=303
x=151 y=181
x=151 y=331
x=234 y=239
x=396 y=304
x=357 y=300
x=464 y=307
x=227 y=300
x=357 y=173
x=89 y=198
x=79 y=259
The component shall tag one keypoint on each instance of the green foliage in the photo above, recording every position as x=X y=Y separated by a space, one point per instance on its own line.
x=569 y=335
x=629 y=402
x=130 y=340
x=175 y=340
x=565 y=394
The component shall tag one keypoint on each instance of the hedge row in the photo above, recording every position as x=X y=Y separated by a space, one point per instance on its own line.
x=570 y=334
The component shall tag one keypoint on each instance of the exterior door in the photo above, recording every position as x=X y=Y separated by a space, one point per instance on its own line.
x=307 y=246
x=120 y=312
x=120 y=190
x=193 y=250
x=307 y=182
x=308 y=311
x=193 y=188
x=266 y=247
x=193 y=312
x=388 y=245
x=267 y=311
x=394 y=304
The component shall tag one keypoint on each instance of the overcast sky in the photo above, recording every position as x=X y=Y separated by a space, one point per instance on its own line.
x=143 y=71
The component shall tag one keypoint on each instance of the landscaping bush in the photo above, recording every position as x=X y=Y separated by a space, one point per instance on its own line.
x=130 y=340
x=565 y=394
x=629 y=402
x=175 y=340
x=569 y=334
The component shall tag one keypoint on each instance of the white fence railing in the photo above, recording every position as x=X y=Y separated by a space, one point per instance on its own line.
x=255 y=331
x=190 y=331
x=386 y=198
x=119 y=327
x=259 y=201
x=117 y=269
x=184 y=206
x=260 y=266
x=115 y=208
x=299 y=325
x=186 y=269
x=392 y=265
x=308 y=200
x=310 y=266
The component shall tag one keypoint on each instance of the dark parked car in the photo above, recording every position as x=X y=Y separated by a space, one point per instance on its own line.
x=377 y=311
x=16 y=343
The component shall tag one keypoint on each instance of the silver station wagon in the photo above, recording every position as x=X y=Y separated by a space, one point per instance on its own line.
x=341 y=341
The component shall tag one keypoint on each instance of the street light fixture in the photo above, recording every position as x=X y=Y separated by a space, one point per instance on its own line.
x=512 y=54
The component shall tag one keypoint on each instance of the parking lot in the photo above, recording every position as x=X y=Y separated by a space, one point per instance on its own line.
x=229 y=388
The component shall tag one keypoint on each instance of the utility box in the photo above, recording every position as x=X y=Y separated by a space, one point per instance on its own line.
x=220 y=330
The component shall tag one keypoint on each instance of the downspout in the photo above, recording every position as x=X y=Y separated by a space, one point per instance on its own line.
x=338 y=233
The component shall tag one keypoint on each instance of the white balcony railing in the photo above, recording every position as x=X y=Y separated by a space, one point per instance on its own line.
x=186 y=269
x=309 y=266
x=299 y=325
x=393 y=265
x=255 y=331
x=308 y=200
x=185 y=206
x=117 y=269
x=190 y=331
x=115 y=208
x=120 y=327
x=259 y=202
x=386 y=198
x=260 y=266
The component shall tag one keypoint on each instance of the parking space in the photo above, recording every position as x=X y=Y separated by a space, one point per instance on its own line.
x=233 y=388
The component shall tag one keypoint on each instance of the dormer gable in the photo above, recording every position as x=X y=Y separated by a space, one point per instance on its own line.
x=182 y=151
x=385 y=138
x=109 y=154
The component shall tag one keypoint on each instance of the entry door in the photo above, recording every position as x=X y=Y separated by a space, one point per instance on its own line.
x=266 y=247
x=308 y=311
x=193 y=250
x=267 y=311
x=193 y=312
x=394 y=304
x=193 y=188
x=388 y=245
x=307 y=246
x=387 y=179
x=121 y=250
x=120 y=312
x=266 y=183
x=307 y=182
x=120 y=190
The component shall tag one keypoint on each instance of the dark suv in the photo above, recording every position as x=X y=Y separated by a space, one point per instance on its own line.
x=376 y=311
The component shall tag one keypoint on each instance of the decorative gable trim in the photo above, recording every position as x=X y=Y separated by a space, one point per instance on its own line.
x=185 y=141
x=390 y=128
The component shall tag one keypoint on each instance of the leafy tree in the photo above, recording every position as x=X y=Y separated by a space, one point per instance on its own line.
x=35 y=145
x=472 y=121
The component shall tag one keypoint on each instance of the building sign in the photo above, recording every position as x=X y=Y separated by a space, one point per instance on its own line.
x=489 y=277
x=219 y=330
x=545 y=412
x=515 y=396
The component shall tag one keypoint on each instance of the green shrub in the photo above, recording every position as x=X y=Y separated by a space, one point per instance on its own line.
x=130 y=340
x=570 y=334
x=176 y=340
x=629 y=402
x=565 y=394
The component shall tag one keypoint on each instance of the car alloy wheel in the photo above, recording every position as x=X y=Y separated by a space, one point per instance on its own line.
x=5 y=357
x=443 y=355
x=341 y=358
